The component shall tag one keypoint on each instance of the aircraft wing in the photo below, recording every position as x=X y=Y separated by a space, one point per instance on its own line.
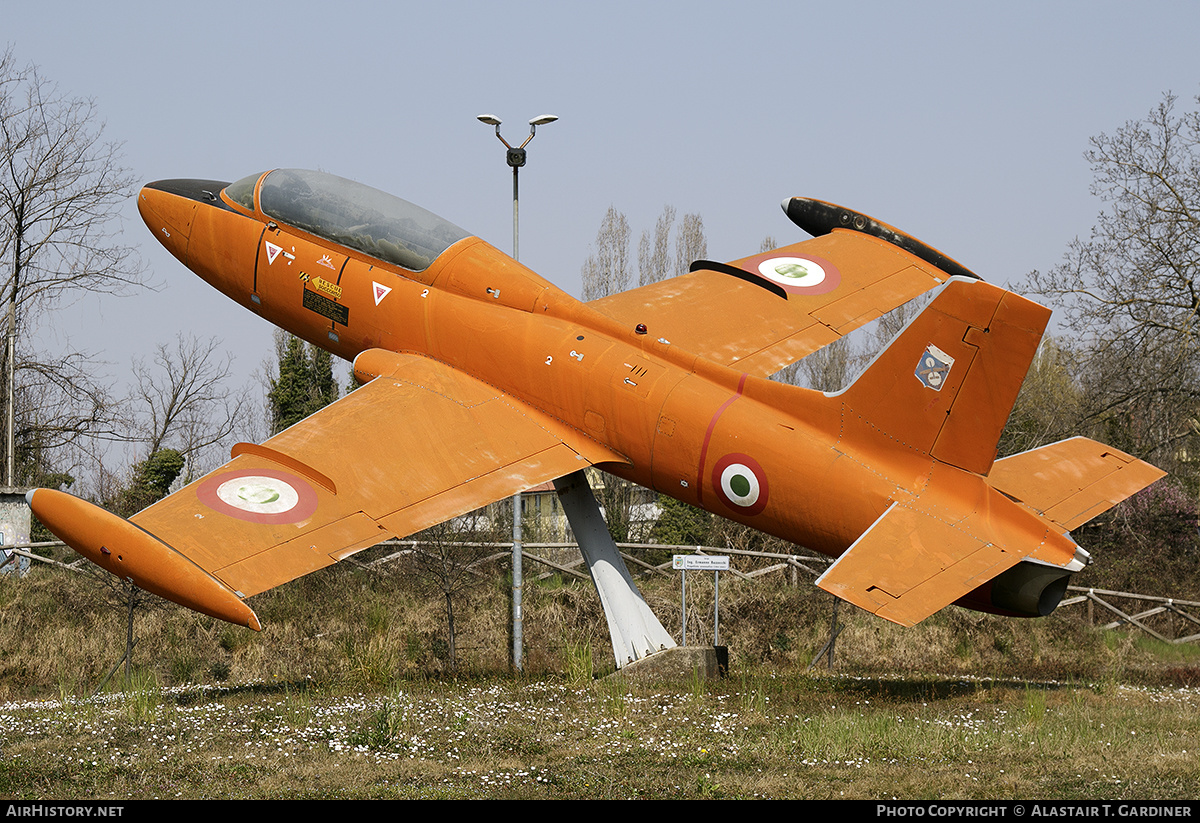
x=761 y=313
x=416 y=446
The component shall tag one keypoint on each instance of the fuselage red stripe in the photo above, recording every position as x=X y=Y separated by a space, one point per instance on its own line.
x=712 y=424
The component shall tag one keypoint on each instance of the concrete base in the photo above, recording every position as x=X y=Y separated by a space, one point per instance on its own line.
x=15 y=523
x=679 y=664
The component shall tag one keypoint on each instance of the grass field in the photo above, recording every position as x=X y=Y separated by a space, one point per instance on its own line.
x=346 y=694
x=753 y=737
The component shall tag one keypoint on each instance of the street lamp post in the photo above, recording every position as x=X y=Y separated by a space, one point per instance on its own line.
x=516 y=159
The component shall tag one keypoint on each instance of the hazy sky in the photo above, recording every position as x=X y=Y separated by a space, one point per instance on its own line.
x=962 y=123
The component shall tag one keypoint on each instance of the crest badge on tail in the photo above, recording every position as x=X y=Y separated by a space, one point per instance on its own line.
x=934 y=367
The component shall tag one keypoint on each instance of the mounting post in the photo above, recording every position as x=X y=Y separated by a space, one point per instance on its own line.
x=635 y=631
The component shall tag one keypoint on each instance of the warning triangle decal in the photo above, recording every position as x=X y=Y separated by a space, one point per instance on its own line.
x=381 y=291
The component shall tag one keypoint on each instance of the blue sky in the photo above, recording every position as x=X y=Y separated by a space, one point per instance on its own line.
x=962 y=123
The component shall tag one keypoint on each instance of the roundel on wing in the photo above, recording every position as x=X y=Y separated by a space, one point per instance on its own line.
x=259 y=496
x=741 y=483
x=798 y=274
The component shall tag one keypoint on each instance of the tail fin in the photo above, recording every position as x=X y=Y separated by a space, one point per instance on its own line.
x=946 y=385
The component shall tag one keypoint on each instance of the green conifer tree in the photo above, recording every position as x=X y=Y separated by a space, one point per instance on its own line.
x=303 y=384
x=151 y=482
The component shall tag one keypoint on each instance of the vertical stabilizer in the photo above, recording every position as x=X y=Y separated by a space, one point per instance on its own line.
x=946 y=385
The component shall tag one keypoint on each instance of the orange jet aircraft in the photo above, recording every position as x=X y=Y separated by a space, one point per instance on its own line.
x=482 y=380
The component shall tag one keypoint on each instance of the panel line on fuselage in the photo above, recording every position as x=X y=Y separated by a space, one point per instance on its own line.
x=261 y=239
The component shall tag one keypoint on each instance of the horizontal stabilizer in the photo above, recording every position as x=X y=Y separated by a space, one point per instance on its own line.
x=910 y=564
x=1072 y=481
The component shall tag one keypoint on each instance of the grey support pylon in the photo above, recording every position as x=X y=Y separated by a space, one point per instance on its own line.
x=635 y=631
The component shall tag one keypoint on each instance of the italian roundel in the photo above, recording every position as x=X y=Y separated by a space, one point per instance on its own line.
x=797 y=275
x=741 y=483
x=259 y=496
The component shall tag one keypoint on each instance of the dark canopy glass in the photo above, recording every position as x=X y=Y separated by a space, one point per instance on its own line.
x=360 y=217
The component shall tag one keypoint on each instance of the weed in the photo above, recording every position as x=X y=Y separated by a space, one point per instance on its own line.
x=141 y=697
x=381 y=729
x=377 y=619
x=614 y=691
x=1035 y=707
x=578 y=654
x=233 y=639
x=375 y=665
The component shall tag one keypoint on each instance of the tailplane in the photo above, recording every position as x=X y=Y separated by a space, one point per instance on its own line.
x=1072 y=481
x=946 y=385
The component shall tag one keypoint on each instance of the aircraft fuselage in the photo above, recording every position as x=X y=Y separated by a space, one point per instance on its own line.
x=773 y=456
x=479 y=311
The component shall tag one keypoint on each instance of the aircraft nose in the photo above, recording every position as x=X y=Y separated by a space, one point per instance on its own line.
x=168 y=217
x=168 y=207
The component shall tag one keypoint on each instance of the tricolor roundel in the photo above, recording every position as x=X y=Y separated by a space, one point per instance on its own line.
x=259 y=496
x=797 y=274
x=741 y=483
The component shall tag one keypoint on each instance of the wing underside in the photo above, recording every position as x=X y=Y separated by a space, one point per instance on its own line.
x=917 y=557
x=910 y=564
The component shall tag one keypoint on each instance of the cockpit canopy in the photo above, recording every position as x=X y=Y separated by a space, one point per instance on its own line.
x=357 y=216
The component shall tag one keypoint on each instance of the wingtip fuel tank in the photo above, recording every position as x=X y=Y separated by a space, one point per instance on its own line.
x=130 y=553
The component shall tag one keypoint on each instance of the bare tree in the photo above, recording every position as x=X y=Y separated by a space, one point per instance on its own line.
x=60 y=188
x=607 y=271
x=690 y=243
x=184 y=399
x=888 y=327
x=57 y=402
x=447 y=562
x=654 y=255
x=829 y=368
x=1137 y=273
x=836 y=365
x=1130 y=293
